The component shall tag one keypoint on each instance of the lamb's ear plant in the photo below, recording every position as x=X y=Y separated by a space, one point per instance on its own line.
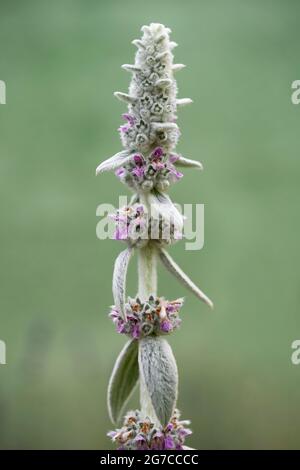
x=148 y=165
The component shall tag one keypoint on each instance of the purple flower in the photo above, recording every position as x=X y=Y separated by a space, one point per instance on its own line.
x=175 y=173
x=141 y=442
x=157 y=441
x=131 y=317
x=138 y=160
x=114 y=314
x=174 y=306
x=121 y=232
x=129 y=118
x=173 y=158
x=183 y=432
x=136 y=331
x=121 y=327
x=120 y=172
x=158 y=165
x=169 y=427
x=157 y=153
x=138 y=171
x=158 y=435
x=124 y=128
x=169 y=443
x=166 y=326
x=140 y=210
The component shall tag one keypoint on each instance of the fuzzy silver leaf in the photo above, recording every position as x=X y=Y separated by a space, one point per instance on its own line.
x=114 y=162
x=187 y=163
x=123 y=380
x=119 y=280
x=159 y=376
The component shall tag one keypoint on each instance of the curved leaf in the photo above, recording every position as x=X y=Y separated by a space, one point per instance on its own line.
x=183 y=101
x=174 y=269
x=188 y=163
x=158 y=376
x=123 y=380
x=114 y=162
x=119 y=280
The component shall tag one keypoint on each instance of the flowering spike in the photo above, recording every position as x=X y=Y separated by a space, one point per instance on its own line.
x=148 y=165
x=151 y=116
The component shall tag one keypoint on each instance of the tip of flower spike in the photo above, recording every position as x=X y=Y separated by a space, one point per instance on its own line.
x=173 y=44
x=156 y=30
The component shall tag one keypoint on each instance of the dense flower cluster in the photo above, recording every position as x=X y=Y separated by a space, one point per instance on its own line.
x=157 y=316
x=152 y=94
x=156 y=171
x=141 y=433
x=137 y=227
x=150 y=132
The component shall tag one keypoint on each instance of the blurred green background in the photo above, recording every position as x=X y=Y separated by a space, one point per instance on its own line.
x=61 y=63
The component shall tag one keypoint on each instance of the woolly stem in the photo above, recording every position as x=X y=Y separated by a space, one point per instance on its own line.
x=147 y=263
x=147 y=272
